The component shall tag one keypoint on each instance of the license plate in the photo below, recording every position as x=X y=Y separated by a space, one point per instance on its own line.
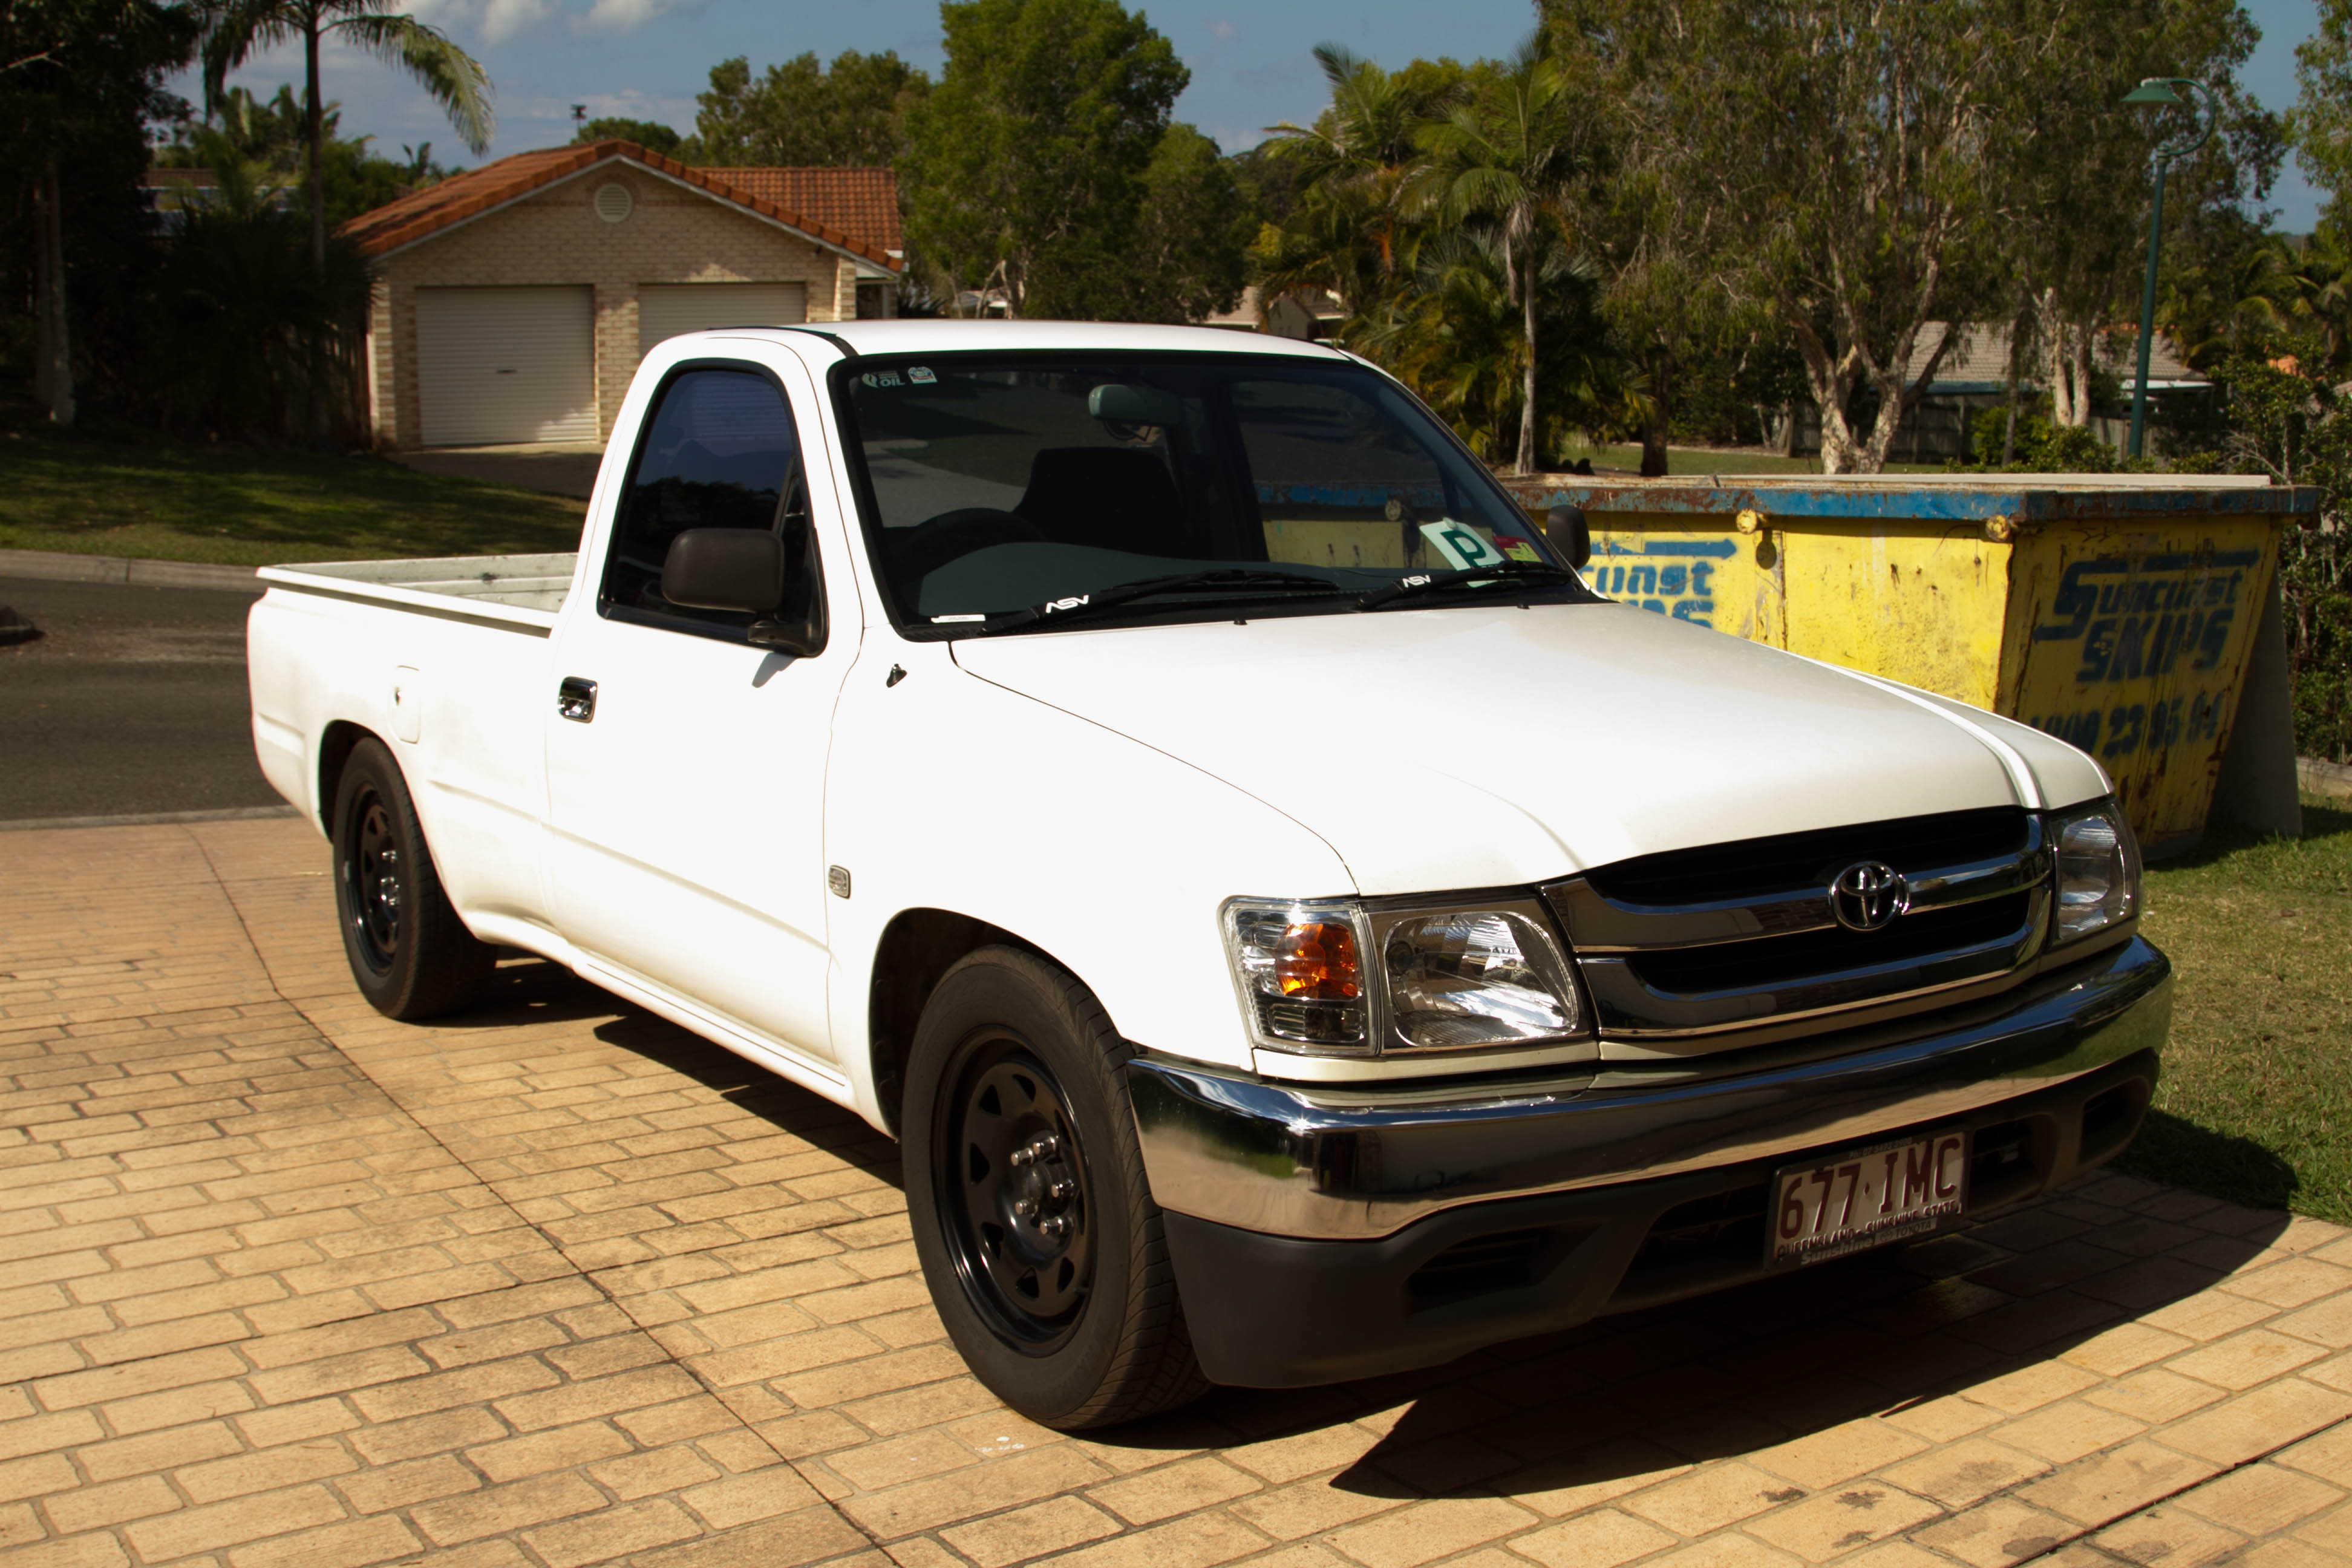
x=1867 y=1197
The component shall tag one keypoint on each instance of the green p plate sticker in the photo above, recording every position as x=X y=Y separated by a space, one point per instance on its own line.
x=1461 y=546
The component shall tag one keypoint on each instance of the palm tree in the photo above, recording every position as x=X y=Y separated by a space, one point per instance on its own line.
x=235 y=30
x=1511 y=153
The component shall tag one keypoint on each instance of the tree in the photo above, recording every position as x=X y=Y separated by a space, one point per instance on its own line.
x=259 y=144
x=235 y=30
x=800 y=114
x=1850 y=139
x=80 y=80
x=651 y=135
x=1190 y=260
x=1345 y=230
x=2321 y=124
x=1511 y=153
x=1027 y=162
x=2073 y=208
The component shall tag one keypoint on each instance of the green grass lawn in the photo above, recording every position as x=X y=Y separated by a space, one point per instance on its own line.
x=2256 y=1099
x=176 y=500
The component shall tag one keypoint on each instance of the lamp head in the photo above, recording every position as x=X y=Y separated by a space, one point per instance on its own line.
x=2157 y=92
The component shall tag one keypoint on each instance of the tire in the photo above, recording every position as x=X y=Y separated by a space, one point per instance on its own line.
x=1067 y=1311
x=411 y=956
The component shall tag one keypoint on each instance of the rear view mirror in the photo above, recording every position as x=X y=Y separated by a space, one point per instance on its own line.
x=1570 y=534
x=725 y=569
x=1115 y=403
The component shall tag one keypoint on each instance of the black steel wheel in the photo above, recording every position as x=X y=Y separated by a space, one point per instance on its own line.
x=1014 y=1176
x=410 y=954
x=1045 y=1254
x=371 y=876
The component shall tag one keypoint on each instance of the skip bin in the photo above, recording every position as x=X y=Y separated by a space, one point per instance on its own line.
x=2116 y=612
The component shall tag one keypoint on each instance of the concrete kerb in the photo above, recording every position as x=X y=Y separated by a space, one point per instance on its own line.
x=61 y=566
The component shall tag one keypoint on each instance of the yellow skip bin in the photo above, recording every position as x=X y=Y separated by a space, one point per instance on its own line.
x=2120 y=613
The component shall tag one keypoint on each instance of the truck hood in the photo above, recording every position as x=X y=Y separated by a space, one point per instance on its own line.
x=1487 y=747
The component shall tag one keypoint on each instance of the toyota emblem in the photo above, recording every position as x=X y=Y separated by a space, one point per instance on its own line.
x=1868 y=896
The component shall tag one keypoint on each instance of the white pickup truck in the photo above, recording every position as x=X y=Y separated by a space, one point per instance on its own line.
x=1294 y=927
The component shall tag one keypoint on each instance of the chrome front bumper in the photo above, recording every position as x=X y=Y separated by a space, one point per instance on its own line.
x=1332 y=1164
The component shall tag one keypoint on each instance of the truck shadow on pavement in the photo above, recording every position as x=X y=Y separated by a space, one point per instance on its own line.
x=2069 y=1298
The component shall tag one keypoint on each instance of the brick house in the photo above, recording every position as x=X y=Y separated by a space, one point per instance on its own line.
x=513 y=303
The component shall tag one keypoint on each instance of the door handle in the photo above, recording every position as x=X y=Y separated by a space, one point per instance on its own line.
x=575 y=699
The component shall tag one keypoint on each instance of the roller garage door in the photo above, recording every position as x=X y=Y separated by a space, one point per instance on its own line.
x=500 y=366
x=666 y=309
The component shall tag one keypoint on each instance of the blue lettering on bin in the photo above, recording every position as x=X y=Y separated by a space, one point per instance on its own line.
x=1672 y=577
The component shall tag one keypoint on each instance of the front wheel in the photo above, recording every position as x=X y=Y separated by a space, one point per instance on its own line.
x=410 y=954
x=1039 y=1240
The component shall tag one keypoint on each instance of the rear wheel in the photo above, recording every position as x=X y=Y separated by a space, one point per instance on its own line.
x=1041 y=1247
x=410 y=954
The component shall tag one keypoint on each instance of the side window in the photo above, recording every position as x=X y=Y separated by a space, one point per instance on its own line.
x=720 y=451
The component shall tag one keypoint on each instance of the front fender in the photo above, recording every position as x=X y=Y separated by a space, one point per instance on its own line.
x=947 y=792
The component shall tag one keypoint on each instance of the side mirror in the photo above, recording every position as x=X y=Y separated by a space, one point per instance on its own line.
x=725 y=569
x=1570 y=534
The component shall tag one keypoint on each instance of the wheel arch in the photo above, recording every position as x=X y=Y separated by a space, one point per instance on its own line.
x=336 y=744
x=916 y=950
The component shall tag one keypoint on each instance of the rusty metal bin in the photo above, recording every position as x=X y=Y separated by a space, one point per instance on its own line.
x=2118 y=612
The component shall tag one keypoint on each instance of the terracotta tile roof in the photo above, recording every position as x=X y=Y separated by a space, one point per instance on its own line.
x=863 y=201
x=461 y=196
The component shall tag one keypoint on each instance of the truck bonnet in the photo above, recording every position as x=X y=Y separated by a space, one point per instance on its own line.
x=1480 y=746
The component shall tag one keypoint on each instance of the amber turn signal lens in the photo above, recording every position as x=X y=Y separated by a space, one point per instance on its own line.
x=1317 y=961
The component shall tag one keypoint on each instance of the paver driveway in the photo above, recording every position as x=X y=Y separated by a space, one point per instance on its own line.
x=281 y=1282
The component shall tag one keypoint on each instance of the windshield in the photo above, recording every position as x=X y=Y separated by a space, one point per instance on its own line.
x=1003 y=483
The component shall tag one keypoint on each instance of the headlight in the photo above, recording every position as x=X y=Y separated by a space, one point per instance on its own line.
x=1336 y=977
x=2098 y=871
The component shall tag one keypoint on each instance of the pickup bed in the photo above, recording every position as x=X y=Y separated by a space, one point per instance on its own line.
x=1295 y=928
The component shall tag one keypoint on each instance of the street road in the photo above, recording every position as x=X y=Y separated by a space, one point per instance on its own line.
x=133 y=702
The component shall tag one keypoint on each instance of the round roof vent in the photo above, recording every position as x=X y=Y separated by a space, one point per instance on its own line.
x=613 y=202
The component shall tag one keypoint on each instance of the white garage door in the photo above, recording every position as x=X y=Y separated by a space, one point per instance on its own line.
x=666 y=309
x=506 y=364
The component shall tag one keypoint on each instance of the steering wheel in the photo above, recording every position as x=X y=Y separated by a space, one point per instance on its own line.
x=935 y=542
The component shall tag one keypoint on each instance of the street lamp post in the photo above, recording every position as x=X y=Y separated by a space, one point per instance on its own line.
x=2160 y=92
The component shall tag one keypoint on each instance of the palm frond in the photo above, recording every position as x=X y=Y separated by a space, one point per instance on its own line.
x=451 y=76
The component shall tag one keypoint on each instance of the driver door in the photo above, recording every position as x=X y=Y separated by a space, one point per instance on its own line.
x=686 y=766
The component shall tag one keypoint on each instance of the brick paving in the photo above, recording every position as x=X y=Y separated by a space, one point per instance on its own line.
x=284 y=1283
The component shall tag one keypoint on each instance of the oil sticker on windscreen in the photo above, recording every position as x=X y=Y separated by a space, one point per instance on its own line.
x=920 y=374
x=1462 y=545
x=881 y=378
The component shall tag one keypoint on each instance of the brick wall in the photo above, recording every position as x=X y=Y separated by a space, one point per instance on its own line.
x=672 y=235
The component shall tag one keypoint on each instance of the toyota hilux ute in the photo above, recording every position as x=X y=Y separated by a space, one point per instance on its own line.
x=1296 y=928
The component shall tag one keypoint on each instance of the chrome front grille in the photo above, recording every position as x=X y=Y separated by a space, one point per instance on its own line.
x=1731 y=944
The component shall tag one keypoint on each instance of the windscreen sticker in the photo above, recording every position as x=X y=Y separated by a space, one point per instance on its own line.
x=1520 y=549
x=920 y=374
x=1462 y=546
x=881 y=378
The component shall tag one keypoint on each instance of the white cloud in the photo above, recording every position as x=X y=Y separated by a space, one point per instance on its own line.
x=626 y=16
x=503 y=19
x=1224 y=32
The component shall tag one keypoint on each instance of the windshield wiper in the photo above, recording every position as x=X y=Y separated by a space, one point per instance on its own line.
x=1120 y=594
x=1502 y=574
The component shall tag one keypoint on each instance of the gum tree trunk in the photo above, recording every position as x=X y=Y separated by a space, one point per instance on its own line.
x=52 y=347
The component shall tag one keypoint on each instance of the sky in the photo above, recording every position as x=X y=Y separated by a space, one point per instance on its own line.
x=1251 y=64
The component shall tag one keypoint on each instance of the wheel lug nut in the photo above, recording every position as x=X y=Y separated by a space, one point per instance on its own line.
x=1045 y=1146
x=1057 y=1227
x=1021 y=1158
x=1060 y=1192
x=1026 y=1208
